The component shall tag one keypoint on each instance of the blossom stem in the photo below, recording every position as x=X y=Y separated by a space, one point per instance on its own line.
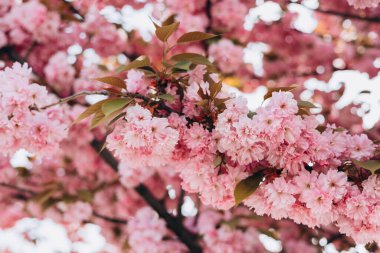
x=72 y=97
x=110 y=219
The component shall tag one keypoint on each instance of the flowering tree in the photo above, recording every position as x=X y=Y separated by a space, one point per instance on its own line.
x=168 y=130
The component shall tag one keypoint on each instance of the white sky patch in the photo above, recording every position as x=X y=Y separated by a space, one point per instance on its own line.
x=92 y=240
x=254 y=54
x=255 y=99
x=355 y=82
x=46 y=236
x=270 y=244
x=188 y=208
x=138 y=20
x=267 y=11
x=305 y=21
x=21 y=159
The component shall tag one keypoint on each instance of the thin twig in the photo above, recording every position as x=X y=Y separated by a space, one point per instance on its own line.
x=348 y=15
x=343 y=15
x=110 y=219
x=72 y=97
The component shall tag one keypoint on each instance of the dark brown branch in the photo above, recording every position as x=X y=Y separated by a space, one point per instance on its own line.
x=172 y=223
x=110 y=219
x=74 y=96
x=179 y=205
x=334 y=237
x=346 y=15
x=209 y=15
x=74 y=10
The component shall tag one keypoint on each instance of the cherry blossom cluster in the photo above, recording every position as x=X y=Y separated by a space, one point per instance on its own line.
x=176 y=135
x=316 y=199
x=285 y=139
x=142 y=143
x=23 y=125
x=275 y=140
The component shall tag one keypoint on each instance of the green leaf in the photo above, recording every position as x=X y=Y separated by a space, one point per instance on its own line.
x=169 y=20
x=164 y=32
x=167 y=97
x=247 y=186
x=321 y=128
x=184 y=65
x=203 y=102
x=191 y=57
x=114 y=81
x=195 y=36
x=232 y=223
x=85 y=195
x=271 y=90
x=218 y=160
x=142 y=61
x=372 y=165
x=44 y=196
x=99 y=115
x=306 y=104
x=215 y=88
x=118 y=116
x=339 y=129
x=115 y=104
x=302 y=112
x=251 y=114
x=220 y=101
x=90 y=110
x=110 y=117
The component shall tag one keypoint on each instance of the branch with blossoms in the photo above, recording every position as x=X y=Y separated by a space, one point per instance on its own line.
x=283 y=125
x=173 y=117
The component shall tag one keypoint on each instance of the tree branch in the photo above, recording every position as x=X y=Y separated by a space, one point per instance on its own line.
x=72 y=97
x=344 y=15
x=348 y=15
x=73 y=10
x=208 y=15
x=179 y=205
x=172 y=223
